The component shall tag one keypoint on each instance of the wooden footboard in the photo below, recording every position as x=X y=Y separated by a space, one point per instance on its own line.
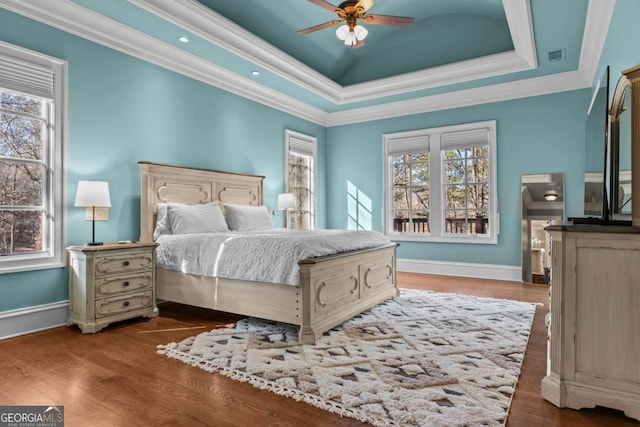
x=338 y=287
x=333 y=289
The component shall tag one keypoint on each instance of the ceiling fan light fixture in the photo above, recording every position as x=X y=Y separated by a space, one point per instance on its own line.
x=342 y=31
x=349 y=37
x=360 y=32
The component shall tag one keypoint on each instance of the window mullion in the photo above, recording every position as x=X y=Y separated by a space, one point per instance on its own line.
x=436 y=194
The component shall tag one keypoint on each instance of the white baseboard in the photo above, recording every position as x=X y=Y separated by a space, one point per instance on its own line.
x=463 y=269
x=27 y=320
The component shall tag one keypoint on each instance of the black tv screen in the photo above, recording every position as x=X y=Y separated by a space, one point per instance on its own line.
x=596 y=152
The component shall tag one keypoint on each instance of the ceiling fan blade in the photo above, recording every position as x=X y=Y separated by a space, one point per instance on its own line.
x=319 y=27
x=326 y=5
x=365 y=4
x=358 y=44
x=400 y=21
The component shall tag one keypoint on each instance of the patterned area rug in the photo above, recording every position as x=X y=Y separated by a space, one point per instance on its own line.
x=422 y=359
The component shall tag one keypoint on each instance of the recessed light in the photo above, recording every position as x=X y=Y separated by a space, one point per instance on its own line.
x=184 y=39
x=255 y=73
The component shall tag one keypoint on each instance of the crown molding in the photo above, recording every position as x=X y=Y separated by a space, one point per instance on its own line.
x=488 y=66
x=544 y=85
x=215 y=28
x=75 y=19
x=80 y=21
x=518 y=15
x=599 y=16
x=596 y=29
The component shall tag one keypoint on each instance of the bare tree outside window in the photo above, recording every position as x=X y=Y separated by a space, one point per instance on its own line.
x=300 y=183
x=440 y=184
x=23 y=123
x=467 y=190
x=411 y=181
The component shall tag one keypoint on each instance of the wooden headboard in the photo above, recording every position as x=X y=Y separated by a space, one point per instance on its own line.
x=163 y=183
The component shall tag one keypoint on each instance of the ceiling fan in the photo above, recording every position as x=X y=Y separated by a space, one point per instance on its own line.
x=350 y=12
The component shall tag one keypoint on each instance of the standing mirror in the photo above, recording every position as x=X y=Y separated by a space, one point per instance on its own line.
x=542 y=202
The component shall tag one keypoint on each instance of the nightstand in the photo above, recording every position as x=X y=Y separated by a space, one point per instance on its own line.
x=111 y=282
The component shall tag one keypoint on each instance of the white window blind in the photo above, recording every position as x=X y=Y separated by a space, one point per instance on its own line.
x=408 y=145
x=27 y=77
x=301 y=146
x=465 y=138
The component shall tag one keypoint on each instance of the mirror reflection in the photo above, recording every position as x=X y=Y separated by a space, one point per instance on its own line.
x=621 y=150
x=542 y=200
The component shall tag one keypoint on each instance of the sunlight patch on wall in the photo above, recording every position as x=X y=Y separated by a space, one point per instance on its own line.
x=359 y=208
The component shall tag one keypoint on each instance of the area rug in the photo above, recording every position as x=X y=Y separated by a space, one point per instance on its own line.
x=421 y=359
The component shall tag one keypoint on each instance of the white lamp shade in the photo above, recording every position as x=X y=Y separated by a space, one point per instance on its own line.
x=93 y=193
x=286 y=201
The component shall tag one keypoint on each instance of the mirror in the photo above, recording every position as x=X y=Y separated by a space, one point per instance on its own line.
x=542 y=200
x=620 y=114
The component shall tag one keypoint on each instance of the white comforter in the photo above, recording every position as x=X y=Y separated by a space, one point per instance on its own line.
x=264 y=256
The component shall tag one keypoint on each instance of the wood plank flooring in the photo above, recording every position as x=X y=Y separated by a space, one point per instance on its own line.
x=115 y=377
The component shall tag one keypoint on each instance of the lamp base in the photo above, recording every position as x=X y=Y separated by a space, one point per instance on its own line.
x=94 y=244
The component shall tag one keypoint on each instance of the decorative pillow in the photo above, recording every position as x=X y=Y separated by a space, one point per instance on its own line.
x=188 y=219
x=248 y=218
x=163 y=226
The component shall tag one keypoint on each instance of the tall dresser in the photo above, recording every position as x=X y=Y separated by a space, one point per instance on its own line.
x=109 y=283
x=594 y=320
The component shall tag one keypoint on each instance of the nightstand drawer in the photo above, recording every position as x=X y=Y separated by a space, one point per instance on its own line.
x=110 y=285
x=121 y=304
x=116 y=264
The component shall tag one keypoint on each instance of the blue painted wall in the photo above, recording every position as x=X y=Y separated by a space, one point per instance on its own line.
x=122 y=110
x=534 y=135
x=621 y=49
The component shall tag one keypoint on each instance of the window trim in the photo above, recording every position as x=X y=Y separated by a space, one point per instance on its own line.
x=310 y=144
x=432 y=136
x=56 y=155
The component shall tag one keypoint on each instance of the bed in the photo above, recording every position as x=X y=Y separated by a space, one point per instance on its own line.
x=331 y=289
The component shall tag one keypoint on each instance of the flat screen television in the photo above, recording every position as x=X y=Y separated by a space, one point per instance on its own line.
x=596 y=178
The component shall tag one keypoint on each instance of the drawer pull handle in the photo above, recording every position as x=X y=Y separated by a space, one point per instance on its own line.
x=126 y=283
x=126 y=304
x=126 y=263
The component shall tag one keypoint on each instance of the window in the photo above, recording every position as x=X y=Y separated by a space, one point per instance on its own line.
x=440 y=184
x=31 y=160
x=301 y=153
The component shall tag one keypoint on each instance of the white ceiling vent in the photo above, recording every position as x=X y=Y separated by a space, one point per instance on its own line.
x=555 y=55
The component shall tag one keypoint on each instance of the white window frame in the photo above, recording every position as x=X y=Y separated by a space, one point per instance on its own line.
x=28 y=62
x=306 y=145
x=430 y=139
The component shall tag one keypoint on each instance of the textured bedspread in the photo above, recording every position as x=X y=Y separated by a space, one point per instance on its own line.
x=265 y=256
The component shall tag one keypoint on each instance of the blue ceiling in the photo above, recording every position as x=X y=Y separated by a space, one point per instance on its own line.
x=466 y=48
x=444 y=32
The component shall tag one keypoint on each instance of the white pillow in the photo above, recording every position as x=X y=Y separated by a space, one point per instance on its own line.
x=163 y=226
x=248 y=218
x=188 y=219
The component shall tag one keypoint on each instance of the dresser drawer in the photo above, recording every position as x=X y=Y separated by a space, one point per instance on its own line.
x=110 y=285
x=121 y=304
x=123 y=263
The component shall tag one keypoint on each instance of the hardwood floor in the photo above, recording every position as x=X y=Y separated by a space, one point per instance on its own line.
x=115 y=377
